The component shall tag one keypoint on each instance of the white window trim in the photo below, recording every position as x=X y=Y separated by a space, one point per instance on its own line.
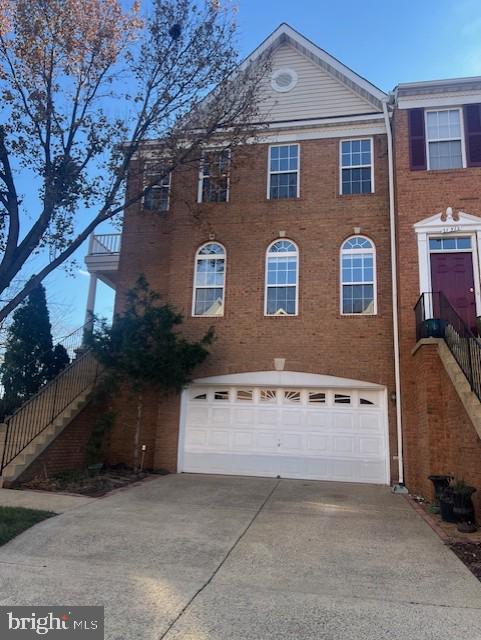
x=200 y=180
x=298 y=190
x=360 y=166
x=209 y=257
x=158 y=186
x=266 y=285
x=461 y=138
x=374 y=273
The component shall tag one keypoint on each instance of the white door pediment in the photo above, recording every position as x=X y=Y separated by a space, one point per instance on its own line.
x=448 y=221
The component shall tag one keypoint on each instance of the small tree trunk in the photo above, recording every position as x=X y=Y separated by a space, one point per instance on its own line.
x=138 y=424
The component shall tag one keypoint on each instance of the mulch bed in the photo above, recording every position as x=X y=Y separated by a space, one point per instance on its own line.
x=85 y=483
x=467 y=546
x=470 y=554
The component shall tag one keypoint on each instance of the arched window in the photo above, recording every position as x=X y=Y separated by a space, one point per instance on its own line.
x=209 y=280
x=358 y=276
x=282 y=274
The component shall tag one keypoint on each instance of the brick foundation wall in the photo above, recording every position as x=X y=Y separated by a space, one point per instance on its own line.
x=442 y=438
x=319 y=339
x=68 y=450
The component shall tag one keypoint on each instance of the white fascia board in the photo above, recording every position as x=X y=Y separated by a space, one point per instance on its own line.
x=318 y=134
x=451 y=100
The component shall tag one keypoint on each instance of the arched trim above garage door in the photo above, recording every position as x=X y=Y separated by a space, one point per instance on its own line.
x=287 y=379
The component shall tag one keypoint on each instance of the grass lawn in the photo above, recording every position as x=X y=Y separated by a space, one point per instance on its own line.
x=14 y=520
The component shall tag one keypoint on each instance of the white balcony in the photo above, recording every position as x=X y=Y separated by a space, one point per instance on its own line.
x=102 y=259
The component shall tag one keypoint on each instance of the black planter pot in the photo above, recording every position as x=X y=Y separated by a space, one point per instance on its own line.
x=463 y=508
x=446 y=505
x=440 y=484
x=433 y=328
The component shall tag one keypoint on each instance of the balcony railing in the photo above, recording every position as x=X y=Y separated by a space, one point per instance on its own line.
x=436 y=317
x=104 y=244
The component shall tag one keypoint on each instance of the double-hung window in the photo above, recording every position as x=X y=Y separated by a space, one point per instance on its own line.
x=157 y=197
x=209 y=280
x=281 y=279
x=214 y=176
x=356 y=166
x=283 y=172
x=444 y=139
x=358 y=276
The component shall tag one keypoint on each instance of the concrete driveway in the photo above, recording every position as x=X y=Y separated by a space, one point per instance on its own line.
x=225 y=558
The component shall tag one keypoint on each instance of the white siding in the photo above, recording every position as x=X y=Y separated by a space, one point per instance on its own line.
x=316 y=94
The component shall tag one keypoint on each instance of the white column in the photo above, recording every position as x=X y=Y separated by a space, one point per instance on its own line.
x=89 y=315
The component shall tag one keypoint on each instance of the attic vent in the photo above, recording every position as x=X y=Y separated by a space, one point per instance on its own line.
x=283 y=80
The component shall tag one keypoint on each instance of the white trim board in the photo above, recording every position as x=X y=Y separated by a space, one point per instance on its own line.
x=286 y=379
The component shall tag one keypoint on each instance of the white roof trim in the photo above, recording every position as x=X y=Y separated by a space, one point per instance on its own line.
x=448 y=222
x=285 y=33
x=286 y=379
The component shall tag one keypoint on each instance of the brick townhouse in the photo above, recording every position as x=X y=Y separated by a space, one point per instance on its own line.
x=308 y=251
x=289 y=260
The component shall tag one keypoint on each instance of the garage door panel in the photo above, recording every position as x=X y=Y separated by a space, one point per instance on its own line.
x=221 y=415
x=292 y=442
x=268 y=417
x=231 y=464
x=219 y=439
x=270 y=432
x=198 y=415
x=343 y=420
x=196 y=438
x=267 y=440
x=371 y=446
x=318 y=443
x=322 y=419
x=244 y=416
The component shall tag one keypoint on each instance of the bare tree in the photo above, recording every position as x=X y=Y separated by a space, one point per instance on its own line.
x=85 y=85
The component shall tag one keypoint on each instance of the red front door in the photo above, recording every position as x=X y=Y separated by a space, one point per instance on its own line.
x=452 y=273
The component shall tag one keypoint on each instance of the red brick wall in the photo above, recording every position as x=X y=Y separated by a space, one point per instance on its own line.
x=444 y=441
x=427 y=395
x=68 y=451
x=319 y=339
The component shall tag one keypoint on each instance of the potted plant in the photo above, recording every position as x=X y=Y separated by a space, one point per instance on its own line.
x=440 y=483
x=433 y=328
x=463 y=508
x=446 y=503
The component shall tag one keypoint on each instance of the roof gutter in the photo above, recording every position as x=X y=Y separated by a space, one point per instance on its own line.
x=395 y=315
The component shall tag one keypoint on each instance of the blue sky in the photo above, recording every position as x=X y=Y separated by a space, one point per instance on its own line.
x=386 y=42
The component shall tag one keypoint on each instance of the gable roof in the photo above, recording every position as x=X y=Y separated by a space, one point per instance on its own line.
x=285 y=34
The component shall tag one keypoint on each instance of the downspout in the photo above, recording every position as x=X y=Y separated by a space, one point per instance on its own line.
x=395 y=316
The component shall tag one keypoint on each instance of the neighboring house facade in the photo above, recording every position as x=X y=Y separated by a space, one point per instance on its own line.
x=437 y=135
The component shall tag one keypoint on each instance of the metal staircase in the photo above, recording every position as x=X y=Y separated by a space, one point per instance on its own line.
x=436 y=318
x=34 y=425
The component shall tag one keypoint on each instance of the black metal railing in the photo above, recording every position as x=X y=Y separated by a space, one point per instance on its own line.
x=39 y=411
x=436 y=317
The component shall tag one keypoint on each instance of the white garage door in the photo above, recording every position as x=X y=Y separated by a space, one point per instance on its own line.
x=312 y=433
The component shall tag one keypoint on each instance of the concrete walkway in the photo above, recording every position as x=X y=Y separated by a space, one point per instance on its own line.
x=224 y=558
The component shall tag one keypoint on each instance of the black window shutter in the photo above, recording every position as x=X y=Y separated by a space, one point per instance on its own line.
x=417 y=140
x=472 y=129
